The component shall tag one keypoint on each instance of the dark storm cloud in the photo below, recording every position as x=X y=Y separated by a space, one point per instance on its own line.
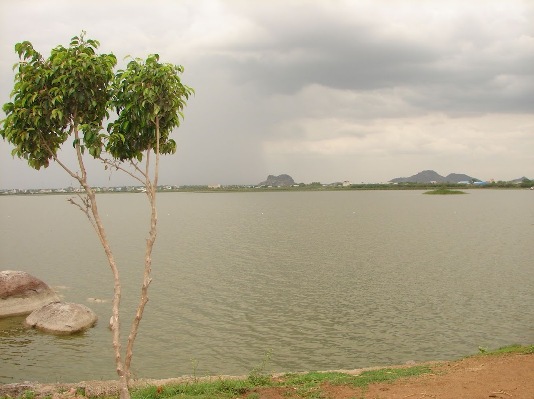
x=461 y=71
x=336 y=57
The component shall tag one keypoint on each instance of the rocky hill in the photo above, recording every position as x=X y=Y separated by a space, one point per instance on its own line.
x=520 y=180
x=278 y=181
x=427 y=176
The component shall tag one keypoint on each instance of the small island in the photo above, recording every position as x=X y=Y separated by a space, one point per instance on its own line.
x=444 y=191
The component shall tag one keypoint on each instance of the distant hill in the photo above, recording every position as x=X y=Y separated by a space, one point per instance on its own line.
x=278 y=181
x=427 y=176
x=519 y=180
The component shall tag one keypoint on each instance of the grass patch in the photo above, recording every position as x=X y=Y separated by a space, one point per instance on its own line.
x=388 y=375
x=444 y=191
x=304 y=385
x=220 y=389
x=307 y=385
x=509 y=349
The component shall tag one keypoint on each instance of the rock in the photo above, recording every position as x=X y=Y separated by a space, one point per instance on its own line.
x=62 y=318
x=16 y=390
x=278 y=181
x=21 y=293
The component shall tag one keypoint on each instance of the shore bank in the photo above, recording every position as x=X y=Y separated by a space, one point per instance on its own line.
x=503 y=373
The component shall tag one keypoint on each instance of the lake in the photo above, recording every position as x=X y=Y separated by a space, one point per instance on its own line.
x=310 y=280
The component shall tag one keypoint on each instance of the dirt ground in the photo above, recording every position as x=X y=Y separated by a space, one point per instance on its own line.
x=508 y=376
x=484 y=377
x=480 y=377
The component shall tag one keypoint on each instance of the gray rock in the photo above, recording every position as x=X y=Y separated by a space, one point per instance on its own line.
x=62 y=318
x=21 y=293
x=278 y=181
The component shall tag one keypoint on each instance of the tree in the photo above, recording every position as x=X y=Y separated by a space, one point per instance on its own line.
x=525 y=182
x=70 y=95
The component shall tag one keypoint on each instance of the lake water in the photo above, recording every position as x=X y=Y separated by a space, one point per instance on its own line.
x=315 y=280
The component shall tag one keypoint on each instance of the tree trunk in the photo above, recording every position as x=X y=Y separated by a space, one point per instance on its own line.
x=97 y=224
x=115 y=318
x=151 y=188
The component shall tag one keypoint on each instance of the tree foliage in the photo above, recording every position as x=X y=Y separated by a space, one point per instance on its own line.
x=73 y=91
x=66 y=94
x=146 y=95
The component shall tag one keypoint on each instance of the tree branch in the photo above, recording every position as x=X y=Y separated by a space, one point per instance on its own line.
x=117 y=166
x=78 y=149
x=85 y=209
x=137 y=168
x=56 y=159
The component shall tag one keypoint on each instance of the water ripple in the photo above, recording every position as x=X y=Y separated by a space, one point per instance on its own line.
x=319 y=280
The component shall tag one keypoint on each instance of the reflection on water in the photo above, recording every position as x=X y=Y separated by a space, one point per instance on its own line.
x=13 y=334
x=23 y=347
x=322 y=280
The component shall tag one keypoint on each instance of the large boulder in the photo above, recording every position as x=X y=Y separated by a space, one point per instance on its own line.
x=21 y=293
x=62 y=318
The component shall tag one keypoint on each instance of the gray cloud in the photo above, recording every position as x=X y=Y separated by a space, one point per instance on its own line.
x=469 y=64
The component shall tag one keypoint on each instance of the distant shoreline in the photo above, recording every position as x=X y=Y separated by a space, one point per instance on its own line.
x=255 y=189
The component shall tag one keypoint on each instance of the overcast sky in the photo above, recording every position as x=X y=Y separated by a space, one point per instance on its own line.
x=323 y=90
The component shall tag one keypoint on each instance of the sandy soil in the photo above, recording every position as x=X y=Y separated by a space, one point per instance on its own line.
x=510 y=376
x=486 y=377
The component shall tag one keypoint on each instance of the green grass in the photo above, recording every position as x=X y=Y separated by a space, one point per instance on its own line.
x=387 y=375
x=510 y=349
x=220 y=389
x=444 y=191
x=304 y=385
